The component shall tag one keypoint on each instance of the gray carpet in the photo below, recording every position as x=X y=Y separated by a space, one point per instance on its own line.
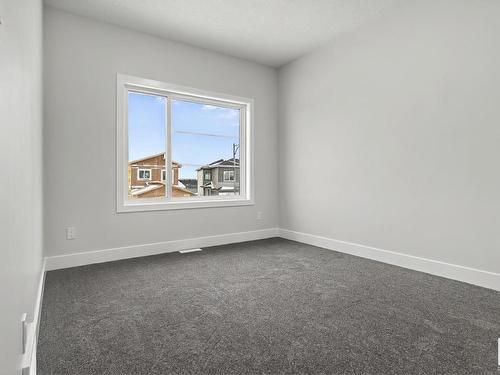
x=264 y=307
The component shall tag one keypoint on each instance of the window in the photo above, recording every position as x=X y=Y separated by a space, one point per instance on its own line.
x=203 y=138
x=228 y=176
x=144 y=174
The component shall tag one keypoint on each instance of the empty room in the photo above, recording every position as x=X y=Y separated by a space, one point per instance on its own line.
x=250 y=187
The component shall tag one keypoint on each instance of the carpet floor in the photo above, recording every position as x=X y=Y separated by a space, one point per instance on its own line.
x=263 y=307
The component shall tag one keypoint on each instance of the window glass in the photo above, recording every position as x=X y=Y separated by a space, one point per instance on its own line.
x=228 y=175
x=205 y=144
x=146 y=145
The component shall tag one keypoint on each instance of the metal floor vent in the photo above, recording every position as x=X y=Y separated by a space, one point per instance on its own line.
x=189 y=251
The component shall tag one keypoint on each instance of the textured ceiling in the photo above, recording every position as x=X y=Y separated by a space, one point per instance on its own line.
x=272 y=32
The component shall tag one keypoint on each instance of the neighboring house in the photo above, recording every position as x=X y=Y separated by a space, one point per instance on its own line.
x=222 y=177
x=147 y=178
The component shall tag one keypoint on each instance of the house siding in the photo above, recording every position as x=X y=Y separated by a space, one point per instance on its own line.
x=160 y=192
x=217 y=178
x=156 y=164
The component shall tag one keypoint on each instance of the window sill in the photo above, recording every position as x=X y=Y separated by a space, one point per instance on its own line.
x=181 y=205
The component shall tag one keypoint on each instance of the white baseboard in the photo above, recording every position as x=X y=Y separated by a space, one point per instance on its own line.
x=29 y=358
x=107 y=255
x=452 y=271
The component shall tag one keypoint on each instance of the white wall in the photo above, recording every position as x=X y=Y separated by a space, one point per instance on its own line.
x=81 y=59
x=20 y=180
x=390 y=135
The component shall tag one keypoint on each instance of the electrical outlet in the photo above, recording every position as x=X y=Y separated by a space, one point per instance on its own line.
x=28 y=344
x=24 y=331
x=259 y=215
x=70 y=233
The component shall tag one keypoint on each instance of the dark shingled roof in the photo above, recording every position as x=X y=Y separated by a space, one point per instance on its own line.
x=221 y=163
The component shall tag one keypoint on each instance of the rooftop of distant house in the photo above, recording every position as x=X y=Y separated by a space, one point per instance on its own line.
x=175 y=163
x=221 y=163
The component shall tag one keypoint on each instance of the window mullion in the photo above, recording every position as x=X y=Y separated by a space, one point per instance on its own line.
x=168 y=148
x=243 y=153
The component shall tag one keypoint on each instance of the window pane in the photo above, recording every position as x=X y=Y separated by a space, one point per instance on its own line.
x=205 y=149
x=146 y=145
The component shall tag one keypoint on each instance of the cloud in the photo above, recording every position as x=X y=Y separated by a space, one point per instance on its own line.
x=160 y=99
x=221 y=113
x=230 y=114
x=208 y=107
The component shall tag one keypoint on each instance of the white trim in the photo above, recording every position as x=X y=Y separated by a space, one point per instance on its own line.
x=126 y=84
x=168 y=146
x=469 y=275
x=107 y=255
x=144 y=169
x=181 y=203
x=29 y=358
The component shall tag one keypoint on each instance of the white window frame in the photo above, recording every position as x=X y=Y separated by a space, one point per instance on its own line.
x=224 y=176
x=163 y=175
x=125 y=84
x=144 y=169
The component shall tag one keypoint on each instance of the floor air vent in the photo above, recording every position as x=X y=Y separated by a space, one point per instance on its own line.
x=189 y=251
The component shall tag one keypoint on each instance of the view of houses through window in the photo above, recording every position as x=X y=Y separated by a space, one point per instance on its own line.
x=205 y=148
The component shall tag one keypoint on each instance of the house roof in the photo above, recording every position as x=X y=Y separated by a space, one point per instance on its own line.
x=146 y=189
x=154 y=156
x=209 y=184
x=221 y=163
x=183 y=189
x=155 y=186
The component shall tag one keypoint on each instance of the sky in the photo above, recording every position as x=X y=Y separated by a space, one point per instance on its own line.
x=215 y=128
